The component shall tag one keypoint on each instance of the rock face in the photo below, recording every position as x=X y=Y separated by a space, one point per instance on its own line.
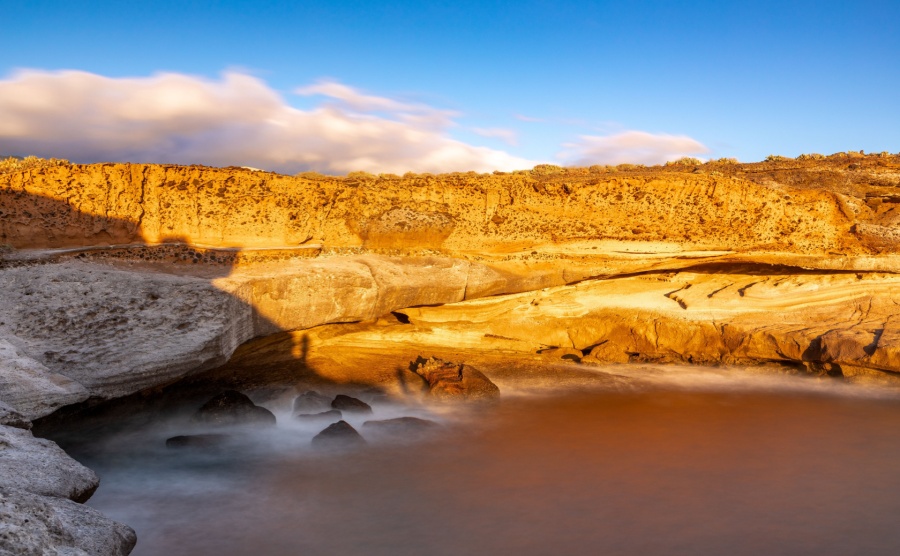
x=452 y=381
x=338 y=435
x=233 y=408
x=12 y=418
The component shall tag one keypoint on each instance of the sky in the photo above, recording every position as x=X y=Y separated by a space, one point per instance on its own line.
x=338 y=86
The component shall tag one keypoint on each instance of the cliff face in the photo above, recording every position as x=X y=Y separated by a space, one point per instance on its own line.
x=574 y=213
x=627 y=254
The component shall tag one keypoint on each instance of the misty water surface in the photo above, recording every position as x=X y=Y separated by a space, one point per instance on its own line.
x=697 y=463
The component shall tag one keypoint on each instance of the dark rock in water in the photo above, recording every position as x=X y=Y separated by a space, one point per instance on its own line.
x=353 y=405
x=196 y=441
x=401 y=427
x=311 y=402
x=330 y=416
x=447 y=380
x=233 y=408
x=337 y=435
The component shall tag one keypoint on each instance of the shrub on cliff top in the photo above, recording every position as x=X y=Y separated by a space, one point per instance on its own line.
x=685 y=161
x=16 y=164
x=547 y=169
x=776 y=158
x=811 y=156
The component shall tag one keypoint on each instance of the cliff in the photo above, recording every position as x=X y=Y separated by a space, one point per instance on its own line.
x=123 y=278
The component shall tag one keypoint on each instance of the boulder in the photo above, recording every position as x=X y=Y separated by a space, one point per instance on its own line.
x=197 y=441
x=330 y=416
x=338 y=435
x=311 y=402
x=350 y=404
x=32 y=524
x=233 y=408
x=455 y=381
x=40 y=466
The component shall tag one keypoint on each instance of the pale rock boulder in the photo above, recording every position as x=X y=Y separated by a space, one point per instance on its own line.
x=36 y=525
x=40 y=466
x=31 y=388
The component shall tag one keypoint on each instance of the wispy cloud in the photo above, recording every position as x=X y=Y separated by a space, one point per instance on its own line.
x=635 y=147
x=523 y=118
x=235 y=120
x=508 y=136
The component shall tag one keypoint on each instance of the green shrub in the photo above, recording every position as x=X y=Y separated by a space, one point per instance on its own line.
x=811 y=156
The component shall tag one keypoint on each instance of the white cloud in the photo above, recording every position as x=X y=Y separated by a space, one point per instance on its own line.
x=634 y=147
x=235 y=120
x=508 y=136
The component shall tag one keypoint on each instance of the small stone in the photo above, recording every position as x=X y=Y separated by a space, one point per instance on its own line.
x=348 y=403
x=339 y=434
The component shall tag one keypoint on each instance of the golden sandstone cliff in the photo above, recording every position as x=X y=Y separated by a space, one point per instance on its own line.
x=122 y=277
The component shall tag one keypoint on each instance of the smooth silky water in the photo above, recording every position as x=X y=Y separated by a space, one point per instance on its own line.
x=690 y=462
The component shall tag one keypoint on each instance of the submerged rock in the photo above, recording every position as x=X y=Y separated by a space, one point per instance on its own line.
x=449 y=381
x=337 y=435
x=197 y=441
x=311 y=402
x=330 y=416
x=401 y=427
x=351 y=404
x=233 y=408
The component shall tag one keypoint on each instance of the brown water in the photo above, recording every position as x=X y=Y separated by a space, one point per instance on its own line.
x=754 y=469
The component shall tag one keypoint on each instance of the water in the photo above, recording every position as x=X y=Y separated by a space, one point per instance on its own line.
x=691 y=464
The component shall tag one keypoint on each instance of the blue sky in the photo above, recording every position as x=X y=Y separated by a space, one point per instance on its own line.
x=743 y=79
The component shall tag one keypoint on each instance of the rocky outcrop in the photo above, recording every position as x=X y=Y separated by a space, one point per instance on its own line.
x=41 y=495
x=454 y=381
